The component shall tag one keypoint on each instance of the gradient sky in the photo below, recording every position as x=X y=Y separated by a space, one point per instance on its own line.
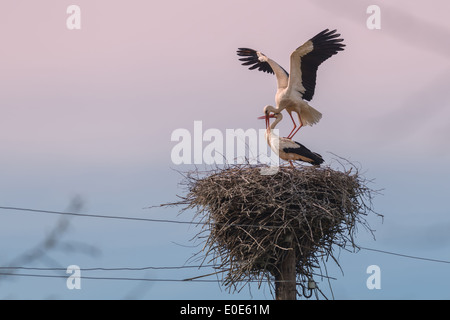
x=90 y=112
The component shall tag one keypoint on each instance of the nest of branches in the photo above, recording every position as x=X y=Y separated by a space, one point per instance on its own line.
x=250 y=220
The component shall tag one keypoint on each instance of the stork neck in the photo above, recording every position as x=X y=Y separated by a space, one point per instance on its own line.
x=277 y=120
x=269 y=134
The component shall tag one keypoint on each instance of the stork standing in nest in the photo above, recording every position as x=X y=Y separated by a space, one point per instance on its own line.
x=298 y=87
x=285 y=148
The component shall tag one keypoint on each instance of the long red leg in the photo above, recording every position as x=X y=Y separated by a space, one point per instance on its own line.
x=301 y=125
x=295 y=131
x=295 y=126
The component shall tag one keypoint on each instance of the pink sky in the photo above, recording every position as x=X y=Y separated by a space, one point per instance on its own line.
x=92 y=111
x=93 y=94
x=96 y=93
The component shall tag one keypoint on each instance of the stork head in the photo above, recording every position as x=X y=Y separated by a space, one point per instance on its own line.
x=267 y=110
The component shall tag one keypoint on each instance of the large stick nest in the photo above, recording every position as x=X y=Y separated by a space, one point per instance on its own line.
x=250 y=220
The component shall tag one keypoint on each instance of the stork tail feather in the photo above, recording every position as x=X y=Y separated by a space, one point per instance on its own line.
x=311 y=116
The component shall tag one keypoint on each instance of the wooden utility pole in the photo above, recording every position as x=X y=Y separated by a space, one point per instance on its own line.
x=285 y=278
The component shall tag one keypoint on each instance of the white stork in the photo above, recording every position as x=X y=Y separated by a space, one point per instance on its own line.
x=299 y=86
x=285 y=148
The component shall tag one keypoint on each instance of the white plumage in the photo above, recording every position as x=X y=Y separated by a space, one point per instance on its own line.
x=285 y=148
x=296 y=89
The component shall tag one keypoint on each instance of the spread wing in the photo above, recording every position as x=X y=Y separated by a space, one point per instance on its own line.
x=257 y=60
x=306 y=59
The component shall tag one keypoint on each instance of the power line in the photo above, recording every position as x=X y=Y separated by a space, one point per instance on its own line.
x=216 y=266
x=131 y=279
x=99 y=216
x=197 y=223
x=104 y=278
x=405 y=255
x=106 y=269
x=133 y=218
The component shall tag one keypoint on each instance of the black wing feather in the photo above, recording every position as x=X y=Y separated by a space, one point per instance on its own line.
x=251 y=59
x=307 y=155
x=325 y=45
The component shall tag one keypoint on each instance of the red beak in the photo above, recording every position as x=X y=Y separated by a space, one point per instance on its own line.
x=267 y=117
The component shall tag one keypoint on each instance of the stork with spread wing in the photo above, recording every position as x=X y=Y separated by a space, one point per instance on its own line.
x=296 y=88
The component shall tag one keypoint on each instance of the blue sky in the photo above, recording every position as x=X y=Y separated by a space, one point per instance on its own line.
x=89 y=113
